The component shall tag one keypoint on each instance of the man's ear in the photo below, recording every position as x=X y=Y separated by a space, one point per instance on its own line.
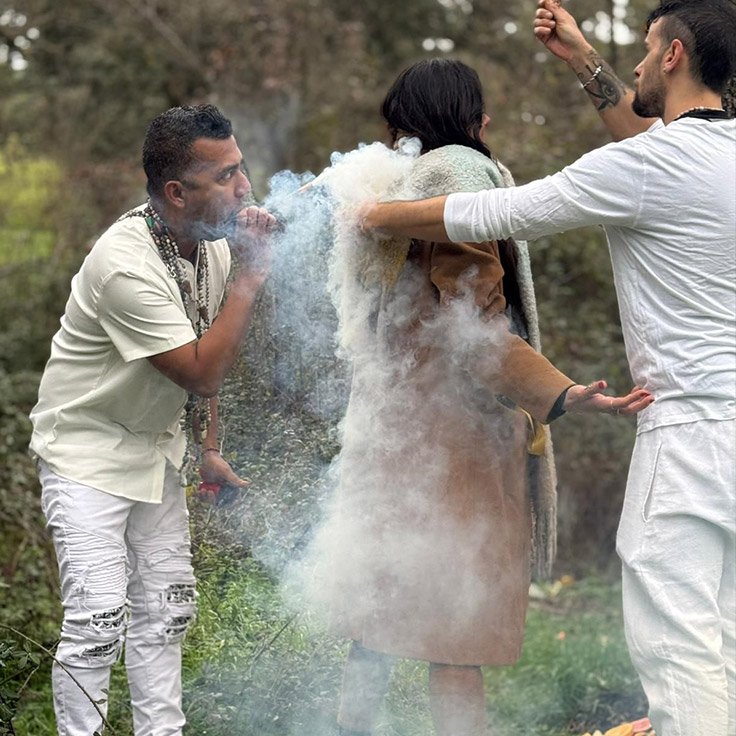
x=674 y=57
x=174 y=193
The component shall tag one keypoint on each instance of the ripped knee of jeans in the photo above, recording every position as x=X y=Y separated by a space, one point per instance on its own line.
x=107 y=624
x=93 y=639
x=103 y=654
x=179 y=602
x=112 y=619
x=181 y=593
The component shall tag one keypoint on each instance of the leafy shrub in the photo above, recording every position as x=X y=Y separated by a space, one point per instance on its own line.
x=28 y=572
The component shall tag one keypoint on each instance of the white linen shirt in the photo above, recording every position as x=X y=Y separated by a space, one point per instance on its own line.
x=667 y=200
x=105 y=416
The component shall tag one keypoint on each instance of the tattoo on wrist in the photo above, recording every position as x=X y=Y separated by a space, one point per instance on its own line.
x=605 y=89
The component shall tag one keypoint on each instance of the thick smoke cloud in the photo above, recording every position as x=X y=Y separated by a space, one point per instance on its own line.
x=412 y=371
x=356 y=341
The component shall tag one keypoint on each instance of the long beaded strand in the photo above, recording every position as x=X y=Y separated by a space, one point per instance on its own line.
x=197 y=410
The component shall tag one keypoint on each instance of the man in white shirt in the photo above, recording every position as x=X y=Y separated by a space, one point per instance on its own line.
x=667 y=199
x=145 y=341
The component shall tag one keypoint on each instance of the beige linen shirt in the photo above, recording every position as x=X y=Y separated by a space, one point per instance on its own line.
x=105 y=416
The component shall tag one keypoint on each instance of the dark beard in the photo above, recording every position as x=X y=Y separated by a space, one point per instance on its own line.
x=651 y=106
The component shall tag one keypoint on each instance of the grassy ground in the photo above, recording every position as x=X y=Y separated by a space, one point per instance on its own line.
x=253 y=669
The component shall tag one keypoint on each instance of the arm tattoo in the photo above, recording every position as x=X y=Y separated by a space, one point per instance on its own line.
x=607 y=89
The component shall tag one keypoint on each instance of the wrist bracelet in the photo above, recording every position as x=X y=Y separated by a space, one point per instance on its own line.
x=597 y=71
x=211 y=449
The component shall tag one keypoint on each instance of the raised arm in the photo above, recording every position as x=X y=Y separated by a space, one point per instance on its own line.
x=559 y=32
x=201 y=366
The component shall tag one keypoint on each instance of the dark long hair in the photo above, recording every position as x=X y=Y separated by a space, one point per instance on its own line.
x=438 y=100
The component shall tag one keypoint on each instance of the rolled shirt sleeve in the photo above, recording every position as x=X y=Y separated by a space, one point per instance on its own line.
x=604 y=187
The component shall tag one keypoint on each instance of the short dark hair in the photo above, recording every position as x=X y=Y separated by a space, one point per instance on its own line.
x=438 y=100
x=167 y=147
x=702 y=27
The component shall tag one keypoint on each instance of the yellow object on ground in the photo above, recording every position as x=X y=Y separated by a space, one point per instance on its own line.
x=625 y=729
x=642 y=727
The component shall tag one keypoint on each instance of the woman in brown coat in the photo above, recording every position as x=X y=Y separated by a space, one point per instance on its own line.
x=434 y=519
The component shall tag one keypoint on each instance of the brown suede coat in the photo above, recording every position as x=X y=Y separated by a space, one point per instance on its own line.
x=433 y=471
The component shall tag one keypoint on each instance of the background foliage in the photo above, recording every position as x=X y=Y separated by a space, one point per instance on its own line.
x=79 y=81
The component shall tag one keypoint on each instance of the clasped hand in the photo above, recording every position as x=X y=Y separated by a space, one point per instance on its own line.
x=251 y=241
x=559 y=31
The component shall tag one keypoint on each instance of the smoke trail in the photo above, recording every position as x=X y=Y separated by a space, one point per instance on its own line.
x=304 y=321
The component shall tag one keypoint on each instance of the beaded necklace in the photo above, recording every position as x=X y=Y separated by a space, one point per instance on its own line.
x=197 y=410
x=704 y=113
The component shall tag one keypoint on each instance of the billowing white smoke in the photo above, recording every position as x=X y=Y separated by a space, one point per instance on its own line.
x=412 y=371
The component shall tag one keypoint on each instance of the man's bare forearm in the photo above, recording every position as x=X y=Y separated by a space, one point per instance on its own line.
x=558 y=30
x=609 y=95
x=423 y=219
x=201 y=365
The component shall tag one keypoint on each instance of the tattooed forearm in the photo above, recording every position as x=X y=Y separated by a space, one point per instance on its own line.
x=606 y=90
x=610 y=96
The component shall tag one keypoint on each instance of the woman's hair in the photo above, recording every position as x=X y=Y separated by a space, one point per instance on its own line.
x=438 y=100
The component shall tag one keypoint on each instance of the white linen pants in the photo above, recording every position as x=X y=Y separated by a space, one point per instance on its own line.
x=677 y=544
x=126 y=577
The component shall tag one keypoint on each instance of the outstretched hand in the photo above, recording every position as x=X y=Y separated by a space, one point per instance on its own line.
x=590 y=398
x=559 y=31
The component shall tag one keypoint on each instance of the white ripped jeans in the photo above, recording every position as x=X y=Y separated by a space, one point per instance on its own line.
x=677 y=542
x=126 y=578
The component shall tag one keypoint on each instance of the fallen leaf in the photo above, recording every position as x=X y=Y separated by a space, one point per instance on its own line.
x=642 y=725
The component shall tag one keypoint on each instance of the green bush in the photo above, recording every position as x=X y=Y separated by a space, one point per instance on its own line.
x=28 y=572
x=28 y=186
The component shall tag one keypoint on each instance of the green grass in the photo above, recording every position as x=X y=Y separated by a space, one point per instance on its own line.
x=253 y=669
x=29 y=187
x=574 y=674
